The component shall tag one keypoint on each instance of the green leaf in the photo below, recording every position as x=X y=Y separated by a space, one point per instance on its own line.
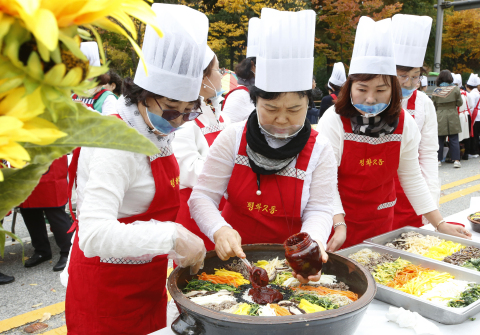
x=91 y=129
x=4 y=232
x=46 y=155
x=18 y=184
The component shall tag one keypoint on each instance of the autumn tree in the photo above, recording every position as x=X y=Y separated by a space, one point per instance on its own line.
x=460 y=48
x=338 y=21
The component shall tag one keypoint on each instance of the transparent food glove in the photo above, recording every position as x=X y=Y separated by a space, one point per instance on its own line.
x=188 y=250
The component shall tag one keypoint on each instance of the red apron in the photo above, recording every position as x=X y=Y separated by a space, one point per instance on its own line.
x=404 y=213
x=235 y=89
x=184 y=217
x=474 y=116
x=120 y=296
x=52 y=189
x=366 y=182
x=274 y=215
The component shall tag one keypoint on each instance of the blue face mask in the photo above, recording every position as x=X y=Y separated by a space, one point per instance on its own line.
x=217 y=93
x=160 y=124
x=407 y=93
x=370 y=110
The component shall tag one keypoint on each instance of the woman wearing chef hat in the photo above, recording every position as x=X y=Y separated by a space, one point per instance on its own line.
x=335 y=83
x=278 y=174
x=192 y=142
x=410 y=39
x=237 y=105
x=374 y=139
x=99 y=99
x=127 y=202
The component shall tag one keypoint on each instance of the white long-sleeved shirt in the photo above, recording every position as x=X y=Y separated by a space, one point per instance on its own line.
x=115 y=184
x=109 y=105
x=317 y=193
x=191 y=147
x=426 y=120
x=409 y=172
x=238 y=106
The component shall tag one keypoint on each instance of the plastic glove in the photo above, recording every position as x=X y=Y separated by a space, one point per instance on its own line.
x=188 y=250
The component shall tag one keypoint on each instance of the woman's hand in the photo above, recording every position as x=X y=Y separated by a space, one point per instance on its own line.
x=324 y=257
x=454 y=230
x=337 y=239
x=188 y=250
x=228 y=243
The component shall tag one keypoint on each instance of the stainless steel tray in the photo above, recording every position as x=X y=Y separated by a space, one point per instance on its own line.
x=445 y=315
x=390 y=236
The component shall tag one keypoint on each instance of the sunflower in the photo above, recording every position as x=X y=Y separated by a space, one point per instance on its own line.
x=19 y=122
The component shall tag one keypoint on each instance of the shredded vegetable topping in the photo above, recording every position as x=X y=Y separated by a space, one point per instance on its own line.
x=325 y=291
x=442 y=250
x=385 y=273
x=223 y=276
x=409 y=272
x=424 y=282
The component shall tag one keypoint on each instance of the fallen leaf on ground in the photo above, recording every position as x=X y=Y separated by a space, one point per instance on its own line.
x=34 y=306
x=53 y=290
x=11 y=253
x=35 y=327
x=33 y=284
x=45 y=317
x=25 y=258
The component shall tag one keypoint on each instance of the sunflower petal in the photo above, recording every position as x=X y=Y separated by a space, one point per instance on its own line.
x=55 y=75
x=73 y=77
x=44 y=27
x=45 y=130
x=15 y=154
x=34 y=66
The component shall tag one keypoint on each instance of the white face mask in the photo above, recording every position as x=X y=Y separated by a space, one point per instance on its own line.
x=281 y=133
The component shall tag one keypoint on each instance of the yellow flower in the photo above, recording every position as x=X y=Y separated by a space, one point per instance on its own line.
x=50 y=20
x=19 y=122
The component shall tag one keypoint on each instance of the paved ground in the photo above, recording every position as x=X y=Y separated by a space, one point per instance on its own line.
x=40 y=287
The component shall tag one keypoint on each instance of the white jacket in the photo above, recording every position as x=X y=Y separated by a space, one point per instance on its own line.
x=190 y=146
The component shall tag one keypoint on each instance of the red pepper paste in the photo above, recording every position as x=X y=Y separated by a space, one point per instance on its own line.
x=303 y=255
x=260 y=293
x=258 y=277
x=265 y=295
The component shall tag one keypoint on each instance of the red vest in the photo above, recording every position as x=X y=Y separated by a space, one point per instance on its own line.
x=116 y=295
x=51 y=191
x=274 y=215
x=366 y=182
x=184 y=217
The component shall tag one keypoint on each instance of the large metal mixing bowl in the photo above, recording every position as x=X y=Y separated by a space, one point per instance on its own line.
x=197 y=320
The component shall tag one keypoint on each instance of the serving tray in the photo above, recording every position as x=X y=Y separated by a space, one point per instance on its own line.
x=390 y=236
x=439 y=313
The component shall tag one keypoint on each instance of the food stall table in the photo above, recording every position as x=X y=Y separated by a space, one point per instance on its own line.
x=375 y=322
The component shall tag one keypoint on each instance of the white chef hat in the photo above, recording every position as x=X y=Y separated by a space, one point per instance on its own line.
x=472 y=80
x=174 y=62
x=338 y=76
x=209 y=54
x=254 y=32
x=457 y=79
x=285 y=56
x=373 y=49
x=424 y=81
x=90 y=50
x=410 y=38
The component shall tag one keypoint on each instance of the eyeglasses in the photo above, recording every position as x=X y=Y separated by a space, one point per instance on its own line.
x=222 y=71
x=403 y=79
x=171 y=114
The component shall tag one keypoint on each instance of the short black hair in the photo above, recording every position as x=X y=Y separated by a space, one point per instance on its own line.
x=256 y=93
x=445 y=76
x=471 y=87
x=134 y=94
x=335 y=88
x=244 y=68
x=115 y=78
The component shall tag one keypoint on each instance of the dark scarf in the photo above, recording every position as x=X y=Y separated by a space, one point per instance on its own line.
x=372 y=126
x=267 y=160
